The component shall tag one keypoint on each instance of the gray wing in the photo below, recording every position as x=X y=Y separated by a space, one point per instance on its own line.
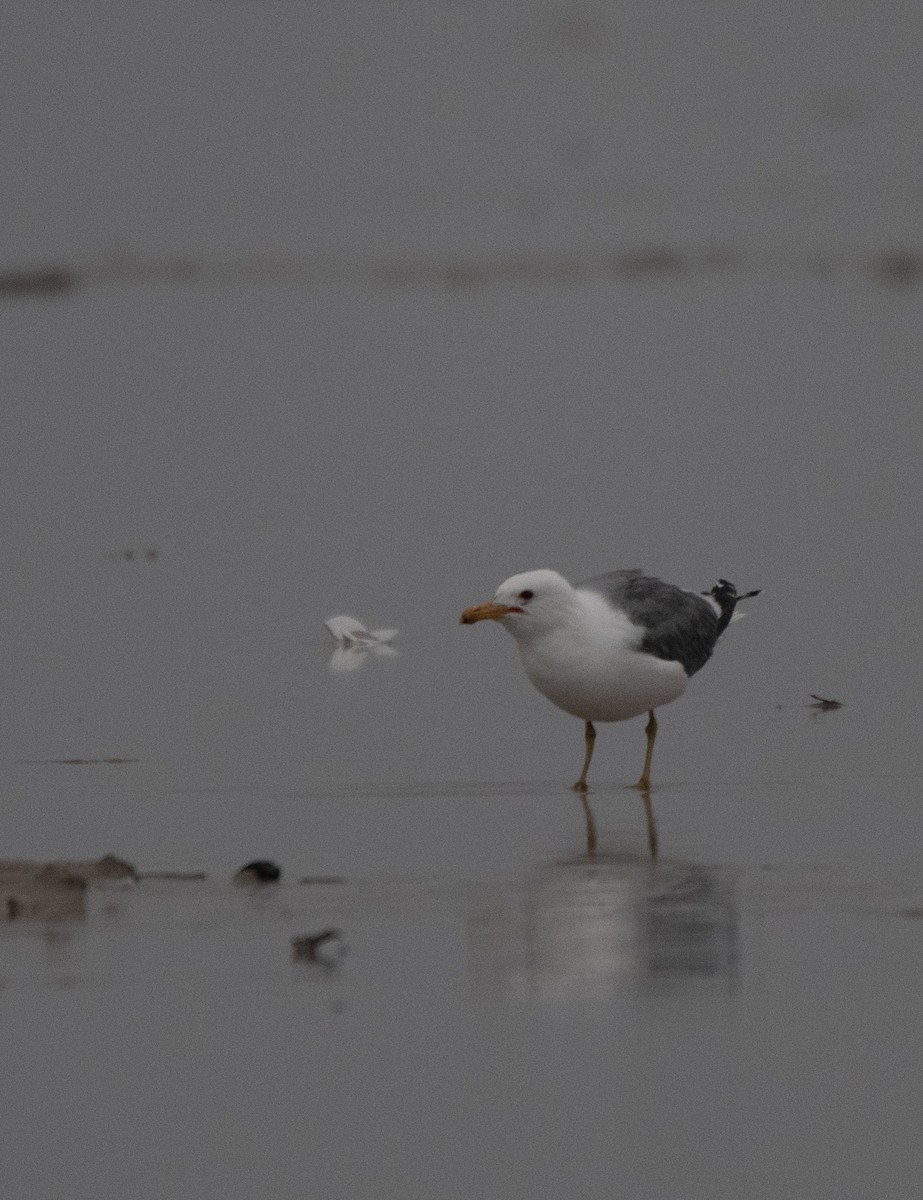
x=679 y=626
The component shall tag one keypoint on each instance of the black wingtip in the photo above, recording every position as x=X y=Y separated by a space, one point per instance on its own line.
x=724 y=593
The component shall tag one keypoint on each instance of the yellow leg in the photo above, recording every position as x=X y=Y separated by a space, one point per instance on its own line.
x=590 y=738
x=650 y=729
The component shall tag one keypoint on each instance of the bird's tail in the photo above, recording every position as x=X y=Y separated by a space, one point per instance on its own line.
x=725 y=596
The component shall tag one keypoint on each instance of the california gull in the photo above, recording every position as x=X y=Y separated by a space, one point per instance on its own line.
x=611 y=648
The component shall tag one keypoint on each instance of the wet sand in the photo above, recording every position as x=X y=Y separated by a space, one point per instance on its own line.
x=358 y=309
x=556 y=1027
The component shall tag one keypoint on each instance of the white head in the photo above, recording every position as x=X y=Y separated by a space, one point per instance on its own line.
x=526 y=604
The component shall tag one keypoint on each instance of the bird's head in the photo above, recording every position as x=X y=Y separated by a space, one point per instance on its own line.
x=526 y=604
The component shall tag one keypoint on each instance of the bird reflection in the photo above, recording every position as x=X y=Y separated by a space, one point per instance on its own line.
x=586 y=927
x=355 y=644
x=350 y=658
x=592 y=839
x=689 y=926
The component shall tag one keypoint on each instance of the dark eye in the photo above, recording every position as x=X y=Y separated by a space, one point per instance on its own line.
x=526 y=595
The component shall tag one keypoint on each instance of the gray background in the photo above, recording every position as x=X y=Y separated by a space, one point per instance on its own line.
x=362 y=308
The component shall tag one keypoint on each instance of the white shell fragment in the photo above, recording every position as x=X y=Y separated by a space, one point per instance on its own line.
x=355 y=643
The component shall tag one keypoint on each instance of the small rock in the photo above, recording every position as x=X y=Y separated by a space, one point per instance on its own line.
x=261 y=870
x=106 y=868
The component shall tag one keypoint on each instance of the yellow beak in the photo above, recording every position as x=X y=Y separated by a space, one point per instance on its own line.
x=486 y=612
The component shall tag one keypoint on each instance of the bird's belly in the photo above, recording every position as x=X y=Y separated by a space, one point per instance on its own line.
x=606 y=690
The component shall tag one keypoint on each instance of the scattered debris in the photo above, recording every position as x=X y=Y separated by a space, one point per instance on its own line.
x=41 y=892
x=823 y=705
x=261 y=870
x=576 y=30
x=325 y=947
x=892 y=265
x=107 y=869
x=40 y=281
x=840 y=107
x=75 y=762
x=181 y=876
x=899 y=267
x=129 y=554
x=649 y=260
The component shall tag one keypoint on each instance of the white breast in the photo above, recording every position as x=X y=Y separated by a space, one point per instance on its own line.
x=591 y=665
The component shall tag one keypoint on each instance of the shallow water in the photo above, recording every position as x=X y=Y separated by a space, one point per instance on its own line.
x=299 y=320
x=687 y=1029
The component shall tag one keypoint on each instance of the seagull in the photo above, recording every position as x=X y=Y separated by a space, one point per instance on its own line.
x=611 y=648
